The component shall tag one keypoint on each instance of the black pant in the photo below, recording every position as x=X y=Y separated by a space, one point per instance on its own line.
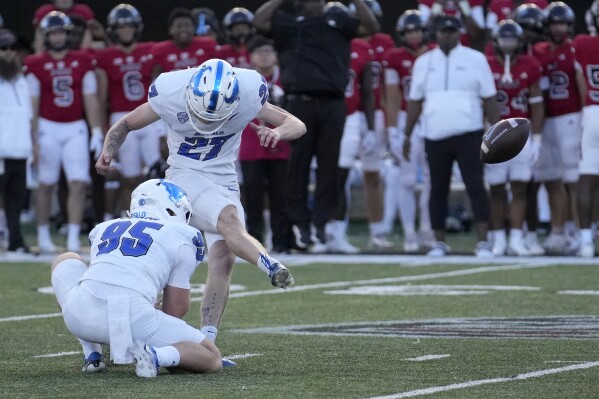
x=440 y=154
x=13 y=190
x=262 y=176
x=324 y=119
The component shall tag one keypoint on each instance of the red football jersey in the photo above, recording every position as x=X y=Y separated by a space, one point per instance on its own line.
x=238 y=57
x=587 y=55
x=451 y=8
x=361 y=55
x=81 y=10
x=380 y=43
x=503 y=8
x=61 y=84
x=172 y=57
x=513 y=96
x=559 y=66
x=250 y=148
x=401 y=60
x=129 y=75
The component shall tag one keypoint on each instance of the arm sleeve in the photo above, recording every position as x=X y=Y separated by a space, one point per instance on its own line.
x=90 y=84
x=34 y=85
x=487 y=83
x=185 y=266
x=417 y=87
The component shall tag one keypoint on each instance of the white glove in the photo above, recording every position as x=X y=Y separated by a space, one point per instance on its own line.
x=436 y=9
x=536 y=147
x=465 y=7
x=369 y=142
x=395 y=143
x=96 y=142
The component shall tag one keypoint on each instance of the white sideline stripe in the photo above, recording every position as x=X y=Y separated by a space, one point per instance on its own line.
x=468 y=384
x=58 y=354
x=33 y=316
x=242 y=356
x=465 y=272
x=426 y=357
x=578 y=292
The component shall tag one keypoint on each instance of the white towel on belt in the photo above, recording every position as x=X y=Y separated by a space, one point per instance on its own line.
x=119 y=328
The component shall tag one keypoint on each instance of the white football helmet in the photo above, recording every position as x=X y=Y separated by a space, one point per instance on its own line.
x=212 y=95
x=160 y=199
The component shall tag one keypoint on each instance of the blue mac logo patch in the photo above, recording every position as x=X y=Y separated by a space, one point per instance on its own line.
x=182 y=116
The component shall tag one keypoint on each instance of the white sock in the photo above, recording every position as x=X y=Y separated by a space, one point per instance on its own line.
x=425 y=216
x=266 y=264
x=43 y=233
x=516 y=235
x=210 y=332
x=168 y=356
x=586 y=236
x=570 y=227
x=73 y=230
x=499 y=237
x=89 y=347
x=407 y=208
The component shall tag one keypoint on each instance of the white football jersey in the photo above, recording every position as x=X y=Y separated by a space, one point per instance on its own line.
x=144 y=255
x=213 y=153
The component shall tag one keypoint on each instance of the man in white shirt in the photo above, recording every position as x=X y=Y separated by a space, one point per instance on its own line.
x=206 y=110
x=448 y=84
x=15 y=138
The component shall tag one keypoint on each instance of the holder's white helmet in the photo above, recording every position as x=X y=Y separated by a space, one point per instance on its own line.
x=160 y=199
x=212 y=95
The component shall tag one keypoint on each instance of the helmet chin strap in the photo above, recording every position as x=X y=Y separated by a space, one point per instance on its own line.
x=507 y=74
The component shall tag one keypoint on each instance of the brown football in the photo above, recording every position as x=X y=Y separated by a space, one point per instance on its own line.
x=504 y=140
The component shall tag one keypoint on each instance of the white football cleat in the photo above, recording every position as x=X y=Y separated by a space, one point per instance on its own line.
x=340 y=245
x=483 y=250
x=518 y=248
x=587 y=250
x=410 y=243
x=441 y=249
x=145 y=358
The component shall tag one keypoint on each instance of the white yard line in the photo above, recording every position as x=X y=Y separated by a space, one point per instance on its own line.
x=469 y=384
x=426 y=357
x=33 y=316
x=243 y=356
x=419 y=277
x=58 y=354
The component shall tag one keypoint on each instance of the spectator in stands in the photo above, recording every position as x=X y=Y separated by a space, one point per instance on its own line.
x=15 y=138
x=470 y=12
x=124 y=75
x=314 y=54
x=207 y=24
x=557 y=167
x=183 y=50
x=264 y=168
x=69 y=8
x=63 y=89
x=239 y=29
x=403 y=174
x=447 y=86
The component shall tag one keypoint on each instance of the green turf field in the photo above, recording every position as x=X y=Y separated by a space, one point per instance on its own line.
x=400 y=327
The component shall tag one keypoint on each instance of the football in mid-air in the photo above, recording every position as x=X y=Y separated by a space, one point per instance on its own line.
x=504 y=140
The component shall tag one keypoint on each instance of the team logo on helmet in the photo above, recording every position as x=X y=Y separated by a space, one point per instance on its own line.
x=182 y=116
